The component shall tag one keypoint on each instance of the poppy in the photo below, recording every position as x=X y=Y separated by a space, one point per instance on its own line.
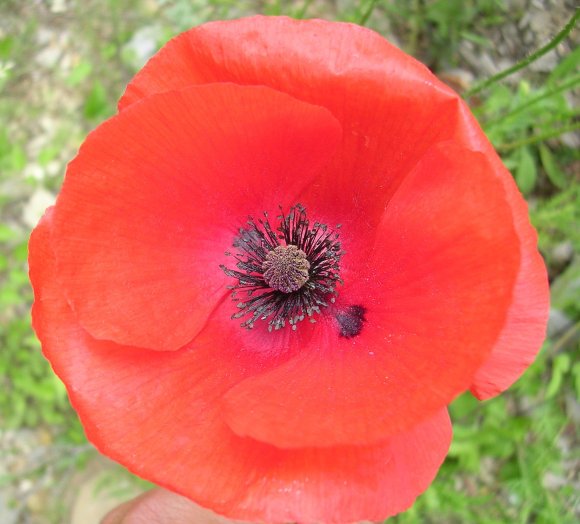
x=267 y=276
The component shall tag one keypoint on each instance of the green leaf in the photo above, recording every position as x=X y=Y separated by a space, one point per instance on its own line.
x=7 y=234
x=463 y=406
x=526 y=172
x=17 y=158
x=576 y=377
x=555 y=174
x=79 y=73
x=560 y=368
x=569 y=63
x=97 y=105
x=565 y=289
x=6 y=46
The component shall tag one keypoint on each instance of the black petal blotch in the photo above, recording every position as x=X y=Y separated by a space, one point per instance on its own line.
x=351 y=320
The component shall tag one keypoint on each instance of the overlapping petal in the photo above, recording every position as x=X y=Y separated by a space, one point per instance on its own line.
x=525 y=326
x=389 y=104
x=437 y=287
x=392 y=109
x=156 y=194
x=171 y=429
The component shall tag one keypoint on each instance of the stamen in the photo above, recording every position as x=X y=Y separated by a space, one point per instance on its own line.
x=287 y=275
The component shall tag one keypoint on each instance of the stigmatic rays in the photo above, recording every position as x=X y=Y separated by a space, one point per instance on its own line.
x=284 y=275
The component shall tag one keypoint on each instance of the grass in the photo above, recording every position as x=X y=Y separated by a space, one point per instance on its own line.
x=513 y=458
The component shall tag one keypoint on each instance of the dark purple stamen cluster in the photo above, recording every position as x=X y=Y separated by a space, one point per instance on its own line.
x=262 y=302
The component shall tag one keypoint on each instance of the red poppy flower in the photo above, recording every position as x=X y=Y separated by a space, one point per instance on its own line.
x=431 y=286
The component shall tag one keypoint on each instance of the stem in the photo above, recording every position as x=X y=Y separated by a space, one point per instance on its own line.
x=560 y=118
x=302 y=11
x=417 y=10
x=367 y=14
x=538 y=138
x=567 y=337
x=526 y=61
x=564 y=86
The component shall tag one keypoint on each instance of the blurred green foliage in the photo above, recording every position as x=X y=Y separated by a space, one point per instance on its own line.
x=508 y=461
x=515 y=122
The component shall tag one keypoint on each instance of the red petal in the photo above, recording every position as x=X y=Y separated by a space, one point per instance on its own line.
x=389 y=105
x=437 y=289
x=525 y=326
x=155 y=197
x=157 y=413
x=392 y=109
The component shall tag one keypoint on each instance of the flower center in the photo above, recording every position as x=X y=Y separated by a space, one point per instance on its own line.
x=286 y=268
x=284 y=275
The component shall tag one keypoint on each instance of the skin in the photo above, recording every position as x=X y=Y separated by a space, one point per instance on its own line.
x=160 y=506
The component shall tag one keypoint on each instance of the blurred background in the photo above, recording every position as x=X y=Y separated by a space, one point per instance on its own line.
x=64 y=64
